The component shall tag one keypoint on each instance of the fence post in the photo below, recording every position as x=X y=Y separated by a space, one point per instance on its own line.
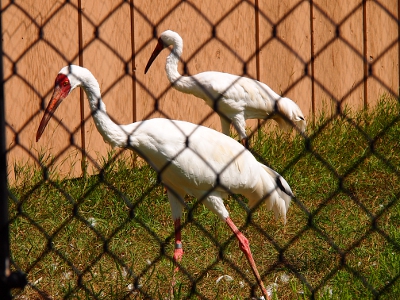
x=8 y=280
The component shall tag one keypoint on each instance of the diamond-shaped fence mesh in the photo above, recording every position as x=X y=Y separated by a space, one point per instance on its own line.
x=88 y=221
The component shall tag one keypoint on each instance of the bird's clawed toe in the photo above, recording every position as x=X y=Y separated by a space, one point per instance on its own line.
x=178 y=253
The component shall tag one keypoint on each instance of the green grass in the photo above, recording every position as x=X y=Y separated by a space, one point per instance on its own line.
x=110 y=236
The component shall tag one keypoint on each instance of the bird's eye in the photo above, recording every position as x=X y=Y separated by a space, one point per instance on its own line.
x=65 y=83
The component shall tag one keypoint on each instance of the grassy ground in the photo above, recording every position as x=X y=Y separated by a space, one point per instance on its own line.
x=110 y=236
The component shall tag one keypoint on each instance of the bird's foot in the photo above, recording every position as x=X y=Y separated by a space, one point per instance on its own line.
x=245 y=247
x=178 y=253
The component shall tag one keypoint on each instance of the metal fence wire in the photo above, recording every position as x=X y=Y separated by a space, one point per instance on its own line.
x=107 y=233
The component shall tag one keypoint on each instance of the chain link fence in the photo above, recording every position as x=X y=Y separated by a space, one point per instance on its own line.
x=87 y=221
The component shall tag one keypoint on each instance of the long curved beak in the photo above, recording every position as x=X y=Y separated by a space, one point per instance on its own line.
x=157 y=50
x=56 y=99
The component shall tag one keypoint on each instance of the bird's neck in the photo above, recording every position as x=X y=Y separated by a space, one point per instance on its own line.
x=112 y=133
x=182 y=83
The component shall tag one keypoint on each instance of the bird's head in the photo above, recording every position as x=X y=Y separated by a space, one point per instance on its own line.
x=166 y=39
x=65 y=82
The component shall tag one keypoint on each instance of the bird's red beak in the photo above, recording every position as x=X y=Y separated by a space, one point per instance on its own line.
x=160 y=46
x=60 y=92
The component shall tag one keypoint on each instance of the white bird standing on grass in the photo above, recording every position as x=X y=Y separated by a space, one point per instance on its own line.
x=190 y=159
x=234 y=98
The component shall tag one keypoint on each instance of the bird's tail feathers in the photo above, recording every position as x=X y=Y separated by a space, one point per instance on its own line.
x=284 y=194
x=300 y=122
x=289 y=114
x=280 y=209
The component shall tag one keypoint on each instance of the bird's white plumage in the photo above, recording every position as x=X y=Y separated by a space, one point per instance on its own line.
x=235 y=98
x=190 y=156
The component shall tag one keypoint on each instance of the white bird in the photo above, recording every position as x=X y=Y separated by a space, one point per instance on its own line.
x=190 y=159
x=234 y=98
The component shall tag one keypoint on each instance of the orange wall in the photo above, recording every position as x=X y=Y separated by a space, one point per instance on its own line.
x=336 y=44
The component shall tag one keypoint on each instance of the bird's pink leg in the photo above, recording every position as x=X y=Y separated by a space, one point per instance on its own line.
x=178 y=252
x=244 y=246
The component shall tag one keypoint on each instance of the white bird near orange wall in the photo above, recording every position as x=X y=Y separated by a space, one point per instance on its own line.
x=189 y=158
x=234 y=98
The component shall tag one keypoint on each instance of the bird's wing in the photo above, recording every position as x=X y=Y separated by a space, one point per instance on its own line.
x=237 y=93
x=198 y=153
